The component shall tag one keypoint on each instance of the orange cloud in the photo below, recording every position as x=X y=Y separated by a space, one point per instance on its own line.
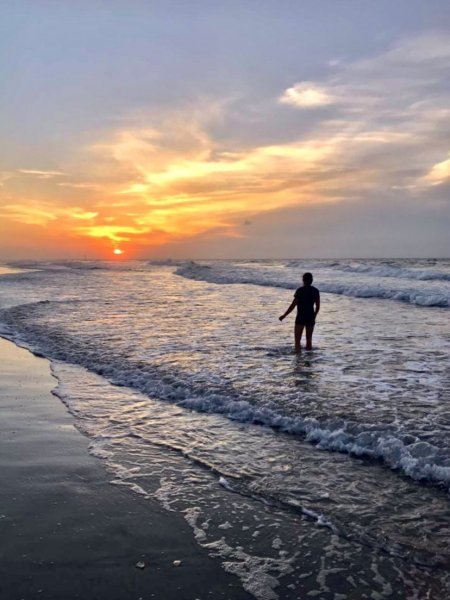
x=43 y=213
x=116 y=233
x=28 y=214
x=171 y=177
x=177 y=182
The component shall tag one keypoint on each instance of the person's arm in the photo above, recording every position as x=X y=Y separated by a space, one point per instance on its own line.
x=316 y=312
x=290 y=309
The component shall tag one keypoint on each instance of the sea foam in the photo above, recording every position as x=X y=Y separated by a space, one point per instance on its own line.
x=223 y=274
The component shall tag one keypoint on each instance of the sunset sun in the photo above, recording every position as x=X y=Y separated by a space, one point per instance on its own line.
x=117 y=251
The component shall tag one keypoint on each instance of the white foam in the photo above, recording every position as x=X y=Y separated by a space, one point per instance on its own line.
x=224 y=274
x=397 y=448
x=165 y=493
x=277 y=543
x=137 y=489
x=257 y=573
x=223 y=481
x=419 y=460
x=395 y=272
x=359 y=440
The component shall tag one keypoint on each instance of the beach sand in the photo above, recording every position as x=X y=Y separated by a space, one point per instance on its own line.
x=66 y=531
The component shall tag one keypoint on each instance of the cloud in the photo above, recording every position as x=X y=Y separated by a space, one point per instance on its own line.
x=398 y=103
x=307 y=95
x=381 y=131
x=29 y=212
x=4 y=176
x=187 y=174
x=116 y=233
x=191 y=185
x=399 y=83
x=42 y=174
x=82 y=185
x=439 y=173
x=83 y=215
x=429 y=49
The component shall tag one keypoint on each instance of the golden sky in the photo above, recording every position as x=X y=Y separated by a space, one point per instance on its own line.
x=169 y=174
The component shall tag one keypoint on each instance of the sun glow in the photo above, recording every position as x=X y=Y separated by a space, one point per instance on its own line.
x=165 y=177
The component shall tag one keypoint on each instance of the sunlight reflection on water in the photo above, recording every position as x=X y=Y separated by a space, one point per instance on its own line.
x=376 y=384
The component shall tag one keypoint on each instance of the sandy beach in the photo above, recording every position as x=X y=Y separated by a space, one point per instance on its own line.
x=66 y=532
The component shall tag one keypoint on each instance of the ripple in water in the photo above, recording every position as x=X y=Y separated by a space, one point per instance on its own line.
x=284 y=515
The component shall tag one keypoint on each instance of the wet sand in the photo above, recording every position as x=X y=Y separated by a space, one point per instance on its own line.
x=66 y=531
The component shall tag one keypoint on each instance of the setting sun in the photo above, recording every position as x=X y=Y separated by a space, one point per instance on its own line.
x=118 y=251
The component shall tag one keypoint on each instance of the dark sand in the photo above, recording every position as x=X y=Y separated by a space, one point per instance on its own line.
x=68 y=533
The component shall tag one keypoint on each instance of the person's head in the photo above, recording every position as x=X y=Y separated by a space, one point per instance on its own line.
x=307 y=278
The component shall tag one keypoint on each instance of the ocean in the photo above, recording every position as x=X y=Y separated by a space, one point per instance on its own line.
x=324 y=474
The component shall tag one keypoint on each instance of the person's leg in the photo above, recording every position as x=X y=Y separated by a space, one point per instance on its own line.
x=309 y=334
x=298 y=337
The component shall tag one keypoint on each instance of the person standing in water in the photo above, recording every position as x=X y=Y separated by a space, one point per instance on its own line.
x=307 y=301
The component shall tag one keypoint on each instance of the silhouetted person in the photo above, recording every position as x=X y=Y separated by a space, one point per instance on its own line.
x=307 y=301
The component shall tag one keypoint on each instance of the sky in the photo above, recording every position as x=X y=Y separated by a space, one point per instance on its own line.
x=237 y=129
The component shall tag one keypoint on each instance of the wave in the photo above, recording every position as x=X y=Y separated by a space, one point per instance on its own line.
x=222 y=274
x=79 y=265
x=392 y=268
x=256 y=272
x=395 y=272
x=351 y=531
x=393 y=444
x=249 y=485
x=41 y=265
x=396 y=448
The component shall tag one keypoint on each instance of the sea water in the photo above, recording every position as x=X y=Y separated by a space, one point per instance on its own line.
x=324 y=474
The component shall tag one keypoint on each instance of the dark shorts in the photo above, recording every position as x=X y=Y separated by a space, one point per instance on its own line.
x=305 y=323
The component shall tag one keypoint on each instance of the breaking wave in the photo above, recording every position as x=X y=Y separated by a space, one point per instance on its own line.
x=222 y=274
x=398 y=448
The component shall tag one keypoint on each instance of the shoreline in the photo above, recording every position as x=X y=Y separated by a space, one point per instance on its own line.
x=66 y=531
